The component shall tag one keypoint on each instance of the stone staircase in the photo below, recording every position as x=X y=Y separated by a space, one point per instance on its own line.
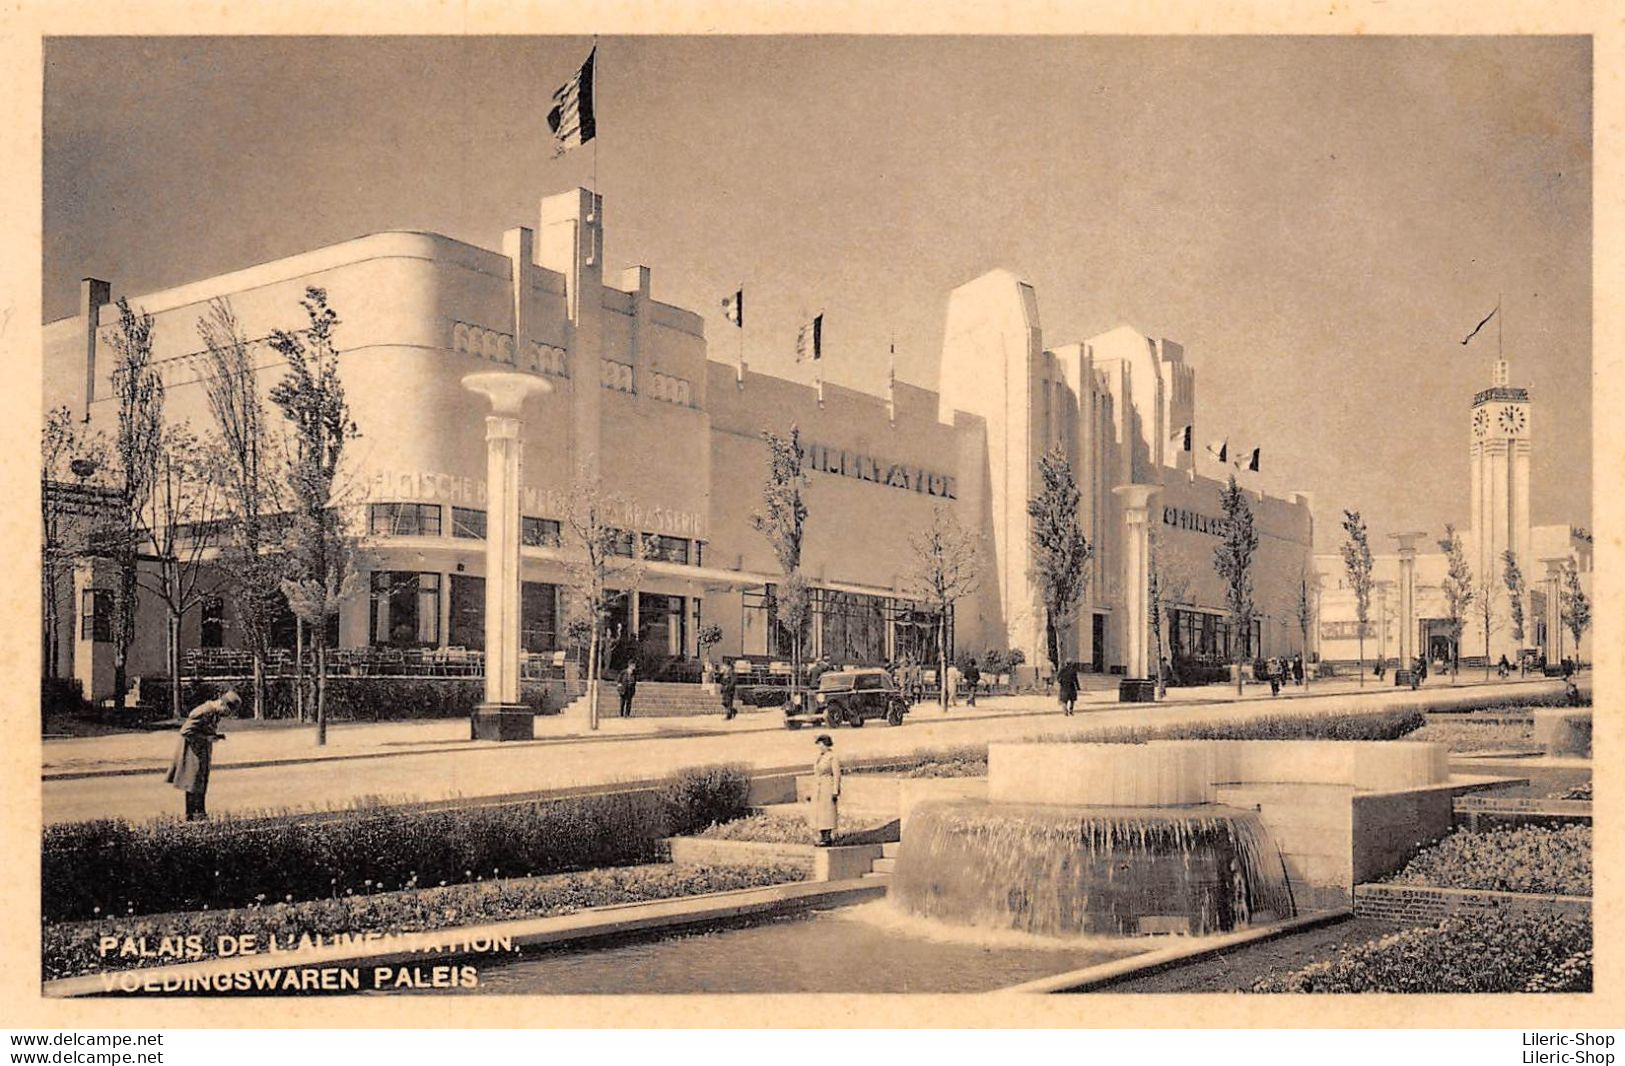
x=654 y=699
x=886 y=865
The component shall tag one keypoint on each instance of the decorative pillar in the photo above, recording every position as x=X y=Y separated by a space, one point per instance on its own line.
x=1407 y=604
x=502 y=716
x=1553 y=651
x=1382 y=621
x=1139 y=681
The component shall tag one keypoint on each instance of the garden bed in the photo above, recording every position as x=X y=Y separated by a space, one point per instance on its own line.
x=133 y=941
x=787 y=829
x=1495 y=735
x=1527 y=859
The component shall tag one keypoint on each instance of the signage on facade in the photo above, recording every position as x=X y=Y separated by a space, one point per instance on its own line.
x=1342 y=630
x=828 y=460
x=1180 y=518
x=436 y=486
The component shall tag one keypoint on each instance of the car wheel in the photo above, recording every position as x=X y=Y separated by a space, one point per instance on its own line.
x=832 y=717
x=894 y=716
x=856 y=718
x=791 y=723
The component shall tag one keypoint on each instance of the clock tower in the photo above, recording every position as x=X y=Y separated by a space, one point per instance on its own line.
x=1499 y=446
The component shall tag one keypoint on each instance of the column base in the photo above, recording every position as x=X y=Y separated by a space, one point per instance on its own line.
x=1402 y=678
x=503 y=721
x=1137 y=690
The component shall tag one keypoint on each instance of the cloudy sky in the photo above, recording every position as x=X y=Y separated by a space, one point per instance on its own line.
x=1319 y=221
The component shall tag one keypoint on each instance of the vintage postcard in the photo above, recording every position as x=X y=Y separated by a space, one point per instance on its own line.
x=792 y=522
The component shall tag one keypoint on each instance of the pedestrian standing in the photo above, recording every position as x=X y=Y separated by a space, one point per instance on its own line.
x=194 y=753
x=955 y=676
x=628 y=687
x=729 y=684
x=826 y=792
x=1297 y=670
x=973 y=678
x=1068 y=679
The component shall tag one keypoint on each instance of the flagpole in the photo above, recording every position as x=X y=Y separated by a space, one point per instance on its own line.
x=1499 y=319
x=594 y=54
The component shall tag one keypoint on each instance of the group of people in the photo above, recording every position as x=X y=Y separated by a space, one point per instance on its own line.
x=1278 y=671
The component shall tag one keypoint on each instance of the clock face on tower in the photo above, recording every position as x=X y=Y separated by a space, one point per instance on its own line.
x=1512 y=421
x=1481 y=423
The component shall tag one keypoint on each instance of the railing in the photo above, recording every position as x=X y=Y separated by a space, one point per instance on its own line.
x=371 y=662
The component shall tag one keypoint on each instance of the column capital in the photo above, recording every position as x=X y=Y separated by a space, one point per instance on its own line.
x=507 y=390
x=1407 y=543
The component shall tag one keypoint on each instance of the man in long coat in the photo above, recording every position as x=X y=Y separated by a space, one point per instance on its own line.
x=1068 y=678
x=729 y=684
x=194 y=753
x=826 y=791
x=628 y=687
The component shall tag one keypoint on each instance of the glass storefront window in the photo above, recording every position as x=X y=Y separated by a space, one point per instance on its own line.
x=467 y=625
x=405 y=609
x=538 y=617
x=662 y=625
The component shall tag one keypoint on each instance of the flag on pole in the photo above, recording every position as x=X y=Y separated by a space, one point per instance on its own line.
x=1220 y=450
x=1483 y=323
x=571 y=119
x=1252 y=463
x=810 y=340
x=1185 y=437
x=733 y=308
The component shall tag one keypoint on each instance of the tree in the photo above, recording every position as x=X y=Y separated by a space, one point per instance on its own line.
x=1060 y=551
x=245 y=471
x=140 y=394
x=598 y=572
x=1486 y=593
x=324 y=551
x=1168 y=587
x=1233 y=559
x=1512 y=577
x=1574 y=605
x=68 y=514
x=1306 y=617
x=782 y=520
x=947 y=567
x=177 y=525
x=1459 y=592
x=1357 y=561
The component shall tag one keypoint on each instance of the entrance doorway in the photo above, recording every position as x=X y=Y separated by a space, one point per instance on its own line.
x=1097 y=644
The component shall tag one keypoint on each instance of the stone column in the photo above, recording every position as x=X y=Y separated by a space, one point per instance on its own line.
x=1139 y=680
x=1407 y=604
x=1554 y=611
x=1382 y=588
x=502 y=716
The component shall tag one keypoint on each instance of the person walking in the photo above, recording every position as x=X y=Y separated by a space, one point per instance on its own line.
x=194 y=753
x=826 y=792
x=1297 y=670
x=628 y=687
x=973 y=678
x=728 y=683
x=1272 y=669
x=1068 y=680
x=955 y=676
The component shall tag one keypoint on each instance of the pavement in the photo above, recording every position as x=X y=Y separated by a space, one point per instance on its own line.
x=271 y=767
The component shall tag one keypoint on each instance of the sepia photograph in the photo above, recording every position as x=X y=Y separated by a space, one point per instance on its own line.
x=1068 y=517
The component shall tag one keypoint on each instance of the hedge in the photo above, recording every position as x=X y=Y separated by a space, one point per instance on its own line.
x=73 y=948
x=1521 y=859
x=361 y=699
x=116 y=867
x=1496 y=952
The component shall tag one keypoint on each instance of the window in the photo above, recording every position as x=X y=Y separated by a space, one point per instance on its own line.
x=539 y=532
x=96 y=615
x=467 y=522
x=214 y=623
x=405 y=609
x=665 y=549
x=285 y=628
x=538 y=616
x=467 y=612
x=620 y=542
x=404 y=520
x=662 y=624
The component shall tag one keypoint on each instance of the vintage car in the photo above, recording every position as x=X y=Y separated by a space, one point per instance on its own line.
x=851 y=696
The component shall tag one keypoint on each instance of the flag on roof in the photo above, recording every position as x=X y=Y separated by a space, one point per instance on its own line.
x=571 y=119
x=1252 y=462
x=1186 y=438
x=810 y=340
x=733 y=308
x=1220 y=450
x=1484 y=322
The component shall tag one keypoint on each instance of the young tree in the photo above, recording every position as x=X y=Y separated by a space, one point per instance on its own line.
x=1357 y=561
x=598 y=573
x=946 y=568
x=782 y=519
x=1459 y=592
x=323 y=549
x=1574 y=605
x=69 y=456
x=1305 y=612
x=139 y=392
x=1060 y=551
x=245 y=471
x=1486 y=594
x=1168 y=587
x=177 y=526
x=1512 y=577
x=1233 y=559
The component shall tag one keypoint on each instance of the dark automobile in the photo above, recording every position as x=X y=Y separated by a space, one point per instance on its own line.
x=850 y=696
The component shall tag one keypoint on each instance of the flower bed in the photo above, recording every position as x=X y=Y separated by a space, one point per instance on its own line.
x=1479 y=736
x=972 y=761
x=786 y=829
x=117 y=867
x=1482 y=953
x=1532 y=859
x=74 y=948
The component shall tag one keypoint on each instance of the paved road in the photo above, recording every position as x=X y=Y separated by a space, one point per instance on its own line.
x=442 y=767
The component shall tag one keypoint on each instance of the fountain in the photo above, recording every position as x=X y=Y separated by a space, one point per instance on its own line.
x=1162 y=837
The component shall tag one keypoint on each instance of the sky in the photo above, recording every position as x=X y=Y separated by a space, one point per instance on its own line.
x=1318 y=221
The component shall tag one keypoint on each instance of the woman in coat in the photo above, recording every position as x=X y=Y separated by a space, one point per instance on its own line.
x=729 y=685
x=195 y=751
x=826 y=795
x=1068 y=678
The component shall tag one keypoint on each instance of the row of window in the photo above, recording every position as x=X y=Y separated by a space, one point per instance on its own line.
x=424 y=520
x=1206 y=637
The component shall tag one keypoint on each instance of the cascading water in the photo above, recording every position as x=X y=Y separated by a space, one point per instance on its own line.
x=1063 y=870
